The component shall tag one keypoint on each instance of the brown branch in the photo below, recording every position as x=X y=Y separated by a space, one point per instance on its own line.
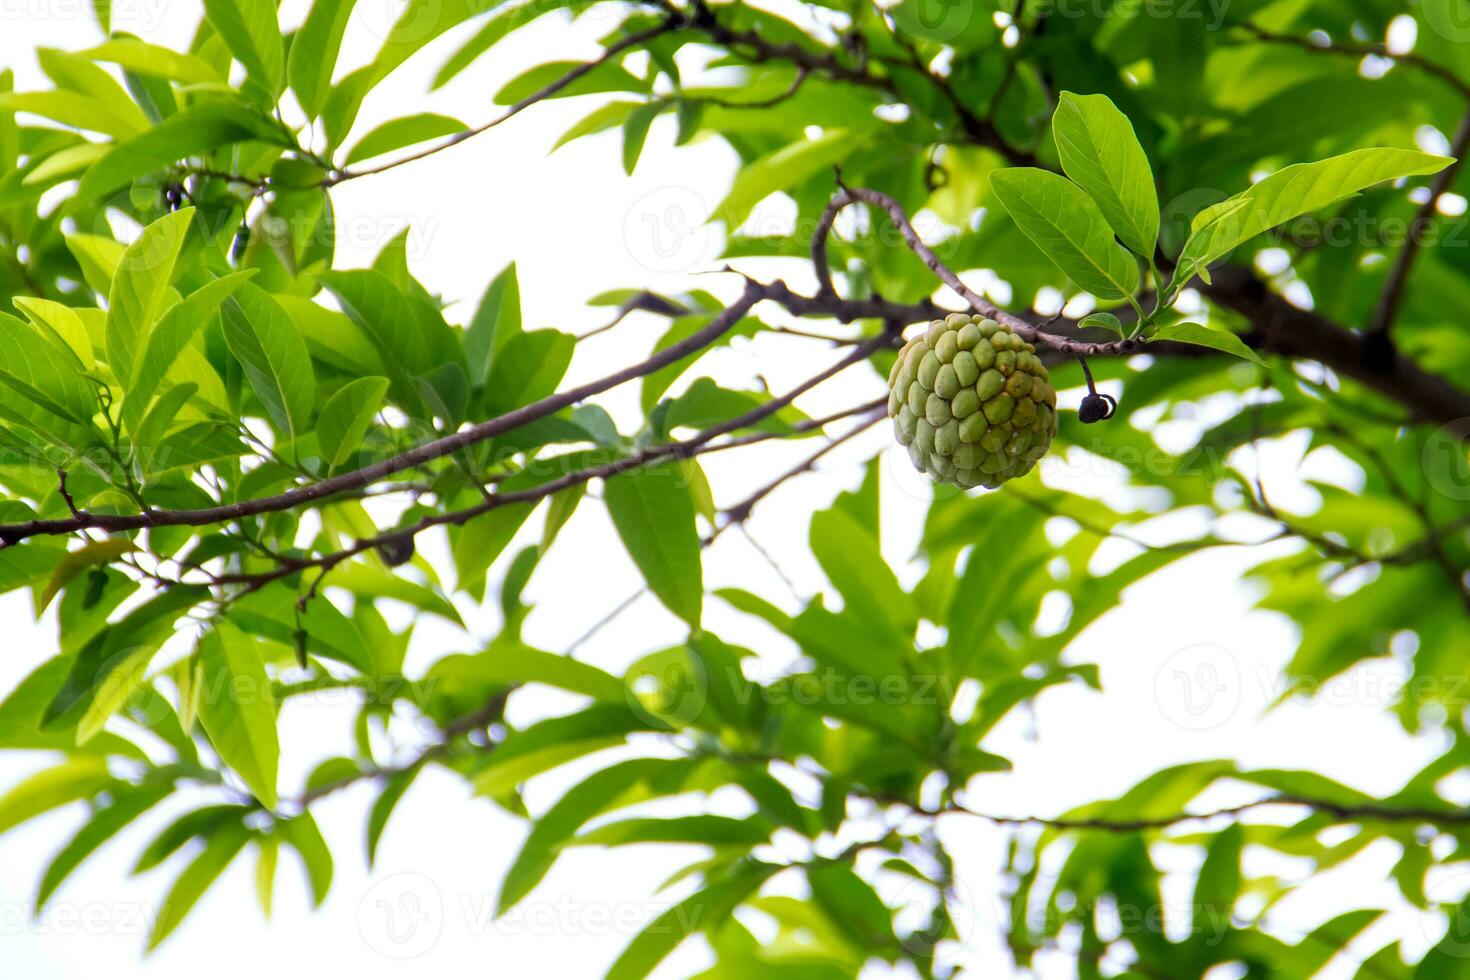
x=1342 y=811
x=489 y=712
x=416 y=456
x=750 y=45
x=652 y=454
x=849 y=196
x=741 y=508
x=1355 y=50
x=1281 y=328
x=980 y=129
x=740 y=512
x=831 y=305
x=802 y=74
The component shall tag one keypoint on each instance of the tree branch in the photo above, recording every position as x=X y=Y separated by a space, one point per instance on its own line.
x=614 y=50
x=1393 y=288
x=1282 y=328
x=652 y=454
x=1354 y=50
x=1342 y=811
x=417 y=456
x=848 y=196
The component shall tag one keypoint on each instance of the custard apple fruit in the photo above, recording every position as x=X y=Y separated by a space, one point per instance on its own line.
x=972 y=402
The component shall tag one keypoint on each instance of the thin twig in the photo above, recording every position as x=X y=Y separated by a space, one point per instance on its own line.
x=614 y=50
x=1356 y=50
x=1398 y=275
x=848 y=196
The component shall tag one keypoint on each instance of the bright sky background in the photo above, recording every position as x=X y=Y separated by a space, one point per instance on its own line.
x=576 y=225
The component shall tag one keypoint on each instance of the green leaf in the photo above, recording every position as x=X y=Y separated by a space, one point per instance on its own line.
x=125 y=806
x=398 y=133
x=387 y=316
x=79 y=560
x=139 y=288
x=635 y=132
x=704 y=403
x=314 y=52
x=195 y=880
x=1202 y=336
x=555 y=741
x=253 y=35
x=114 y=646
x=44 y=374
x=306 y=839
x=265 y=873
x=374 y=581
x=393 y=789
x=1446 y=961
x=597 y=793
x=69 y=109
x=345 y=418
x=1067 y=226
x=1291 y=192
x=495 y=29
x=783 y=169
x=152 y=59
x=1104 y=320
x=195 y=824
x=654 y=515
x=608 y=76
x=853 y=905
x=528 y=367
x=1101 y=154
x=702 y=828
x=262 y=337
x=75 y=73
x=169 y=344
x=1009 y=552
x=497 y=319
x=1218 y=884
x=75 y=779
x=63 y=322
x=708 y=907
x=237 y=707
x=599 y=120
x=849 y=555
x=189 y=132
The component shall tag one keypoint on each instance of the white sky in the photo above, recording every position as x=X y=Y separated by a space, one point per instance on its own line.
x=576 y=226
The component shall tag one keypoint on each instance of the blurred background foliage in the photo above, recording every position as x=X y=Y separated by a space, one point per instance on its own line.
x=176 y=338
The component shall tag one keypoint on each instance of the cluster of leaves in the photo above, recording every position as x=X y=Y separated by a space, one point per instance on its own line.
x=175 y=394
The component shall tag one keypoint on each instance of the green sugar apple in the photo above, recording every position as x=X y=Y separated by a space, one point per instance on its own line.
x=972 y=402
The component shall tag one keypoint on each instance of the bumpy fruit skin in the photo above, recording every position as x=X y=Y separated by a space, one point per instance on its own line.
x=972 y=402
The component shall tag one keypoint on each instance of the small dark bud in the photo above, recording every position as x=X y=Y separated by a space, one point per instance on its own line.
x=396 y=551
x=1095 y=408
x=242 y=240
